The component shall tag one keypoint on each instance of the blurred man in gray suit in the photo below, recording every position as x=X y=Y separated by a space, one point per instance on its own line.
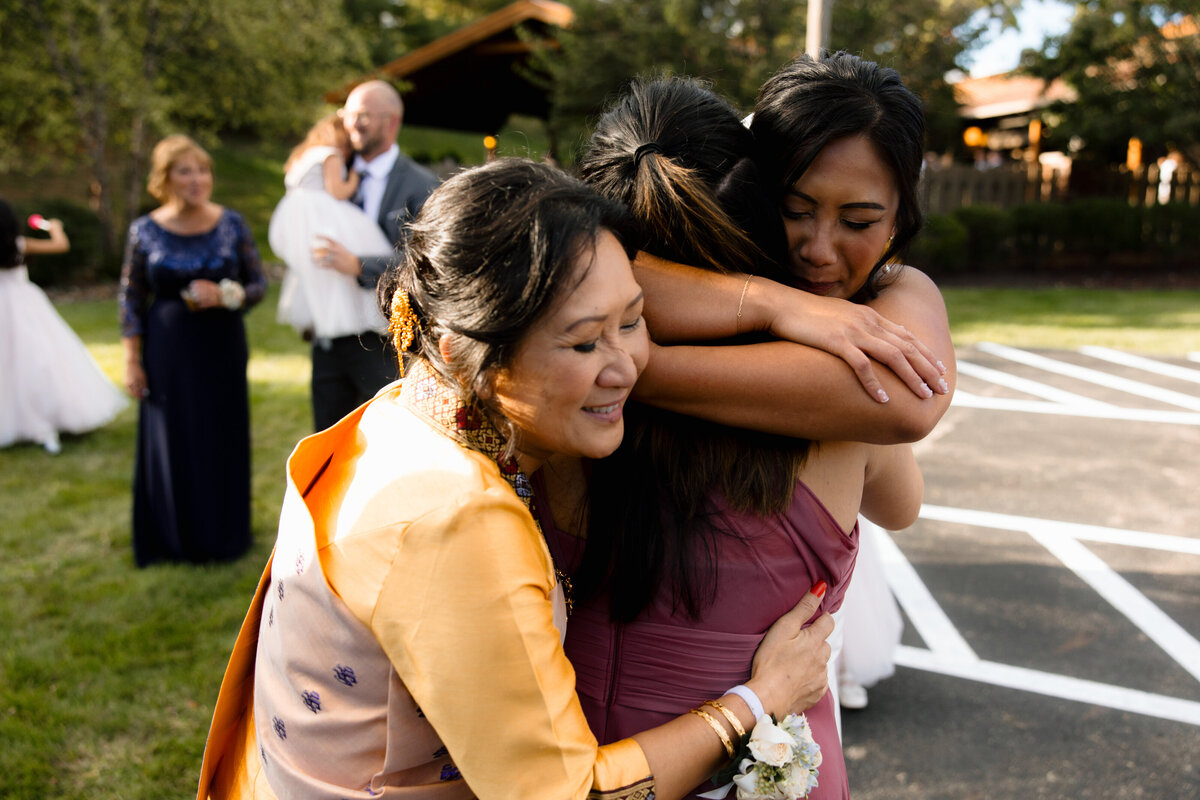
x=349 y=370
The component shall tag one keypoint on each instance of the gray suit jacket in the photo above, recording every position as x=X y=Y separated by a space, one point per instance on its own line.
x=408 y=185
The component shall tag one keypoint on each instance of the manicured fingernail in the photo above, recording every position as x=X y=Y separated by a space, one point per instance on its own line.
x=882 y=395
x=945 y=387
x=941 y=368
x=819 y=588
x=926 y=391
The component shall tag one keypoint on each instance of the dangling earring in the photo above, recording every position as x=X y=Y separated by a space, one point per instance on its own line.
x=887 y=265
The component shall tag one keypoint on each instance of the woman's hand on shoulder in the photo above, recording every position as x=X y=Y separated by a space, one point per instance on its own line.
x=854 y=333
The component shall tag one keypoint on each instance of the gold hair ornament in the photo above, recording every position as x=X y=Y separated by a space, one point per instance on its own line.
x=403 y=325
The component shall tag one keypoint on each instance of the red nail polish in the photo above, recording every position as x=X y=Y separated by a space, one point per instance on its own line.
x=819 y=588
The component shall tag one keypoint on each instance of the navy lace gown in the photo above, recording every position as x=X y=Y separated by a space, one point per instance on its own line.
x=191 y=486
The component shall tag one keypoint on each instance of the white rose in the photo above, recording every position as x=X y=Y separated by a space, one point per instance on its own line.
x=797 y=781
x=747 y=785
x=750 y=786
x=771 y=744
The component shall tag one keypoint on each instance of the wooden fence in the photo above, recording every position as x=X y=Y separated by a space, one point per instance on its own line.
x=946 y=188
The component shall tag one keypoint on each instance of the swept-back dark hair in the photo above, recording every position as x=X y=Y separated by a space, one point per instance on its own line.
x=678 y=155
x=810 y=103
x=9 y=257
x=490 y=252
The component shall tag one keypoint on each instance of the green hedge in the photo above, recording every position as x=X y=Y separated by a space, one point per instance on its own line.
x=1097 y=231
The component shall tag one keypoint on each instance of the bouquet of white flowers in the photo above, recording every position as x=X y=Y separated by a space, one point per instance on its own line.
x=778 y=762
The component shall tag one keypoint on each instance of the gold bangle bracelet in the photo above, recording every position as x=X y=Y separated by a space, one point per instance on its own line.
x=737 y=325
x=729 y=715
x=716 y=726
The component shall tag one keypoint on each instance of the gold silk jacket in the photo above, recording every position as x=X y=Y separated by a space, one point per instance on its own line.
x=403 y=641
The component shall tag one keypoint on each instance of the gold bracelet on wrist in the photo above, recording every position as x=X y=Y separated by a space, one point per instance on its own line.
x=716 y=726
x=729 y=715
x=737 y=325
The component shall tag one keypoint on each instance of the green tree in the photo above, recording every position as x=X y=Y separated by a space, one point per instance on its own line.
x=1134 y=66
x=392 y=28
x=737 y=44
x=923 y=40
x=91 y=84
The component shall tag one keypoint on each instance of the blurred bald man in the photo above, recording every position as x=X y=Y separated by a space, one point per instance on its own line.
x=349 y=370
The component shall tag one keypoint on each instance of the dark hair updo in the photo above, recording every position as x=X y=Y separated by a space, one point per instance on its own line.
x=492 y=250
x=810 y=103
x=678 y=156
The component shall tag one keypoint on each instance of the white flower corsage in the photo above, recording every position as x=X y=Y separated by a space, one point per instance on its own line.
x=232 y=294
x=778 y=762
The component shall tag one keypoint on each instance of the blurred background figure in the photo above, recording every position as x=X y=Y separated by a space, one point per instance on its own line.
x=323 y=304
x=349 y=370
x=49 y=382
x=869 y=622
x=191 y=269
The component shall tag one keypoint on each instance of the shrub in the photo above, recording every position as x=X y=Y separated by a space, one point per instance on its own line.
x=941 y=245
x=1173 y=227
x=1037 y=229
x=1103 y=225
x=988 y=230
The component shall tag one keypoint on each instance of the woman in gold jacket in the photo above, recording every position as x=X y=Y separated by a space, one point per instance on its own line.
x=405 y=639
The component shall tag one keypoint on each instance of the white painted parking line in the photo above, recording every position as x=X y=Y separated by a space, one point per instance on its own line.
x=1092 y=376
x=931 y=622
x=1074 y=530
x=1051 y=685
x=1162 y=630
x=1035 y=388
x=949 y=653
x=964 y=399
x=1145 y=364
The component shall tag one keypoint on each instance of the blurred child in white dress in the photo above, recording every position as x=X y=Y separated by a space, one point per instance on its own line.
x=316 y=300
x=49 y=382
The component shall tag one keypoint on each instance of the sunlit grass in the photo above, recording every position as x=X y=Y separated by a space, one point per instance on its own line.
x=1163 y=322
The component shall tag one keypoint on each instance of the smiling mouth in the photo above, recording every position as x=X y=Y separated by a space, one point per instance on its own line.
x=610 y=413
x=608 y=409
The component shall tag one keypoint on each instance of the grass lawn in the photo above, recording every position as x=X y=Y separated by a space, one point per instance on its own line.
x=108 y=673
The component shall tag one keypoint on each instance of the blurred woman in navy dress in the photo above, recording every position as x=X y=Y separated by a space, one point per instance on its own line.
x=191 y=269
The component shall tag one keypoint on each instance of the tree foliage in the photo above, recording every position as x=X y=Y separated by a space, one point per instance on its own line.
x=737 y=44
x=392 y=28
x=91 y=84
x=1135 y=68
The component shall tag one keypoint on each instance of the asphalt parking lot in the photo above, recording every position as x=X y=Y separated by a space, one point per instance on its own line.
x=1051 y=589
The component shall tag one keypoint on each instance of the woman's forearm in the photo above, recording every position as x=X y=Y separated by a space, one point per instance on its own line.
x=57 y=243
x=786 y=389
x=685 y=751
x=132 y=347
x=789 y=389
x=689 y=304
x=685 y=304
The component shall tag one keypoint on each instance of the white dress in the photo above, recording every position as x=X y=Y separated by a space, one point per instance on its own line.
x=312 y=297
x=868 y=626
x=49 y=382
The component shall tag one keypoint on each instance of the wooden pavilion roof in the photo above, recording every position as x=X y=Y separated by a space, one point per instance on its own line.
x=473 y=78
